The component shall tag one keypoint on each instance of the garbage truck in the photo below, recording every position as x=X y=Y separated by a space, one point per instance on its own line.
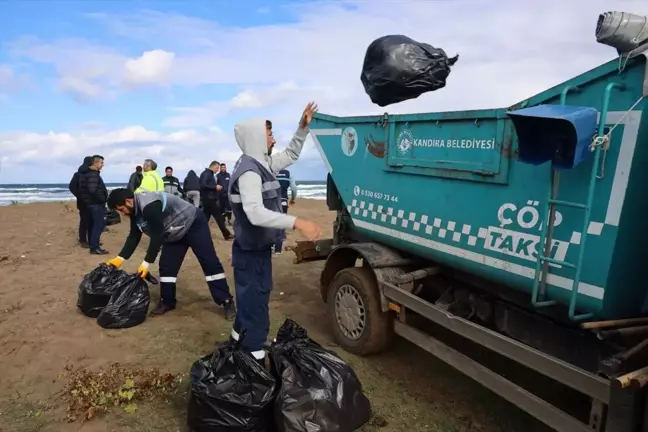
x=519 y=231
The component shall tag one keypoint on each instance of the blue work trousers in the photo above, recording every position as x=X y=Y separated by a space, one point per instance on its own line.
x=253 y=283
x=199 y=239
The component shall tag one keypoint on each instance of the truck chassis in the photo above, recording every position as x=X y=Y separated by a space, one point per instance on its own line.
x=373 y=292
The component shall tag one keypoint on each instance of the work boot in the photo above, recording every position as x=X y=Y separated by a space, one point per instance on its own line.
x=229 y=309
x=161 y=309
x=84 y=245
x=99 y=251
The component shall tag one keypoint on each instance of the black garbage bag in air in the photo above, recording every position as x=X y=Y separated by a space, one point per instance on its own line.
x=113 y=217
x=318 y=391
x=128 y=304
x=230 y=392
x=96 y=289
x=397 y=68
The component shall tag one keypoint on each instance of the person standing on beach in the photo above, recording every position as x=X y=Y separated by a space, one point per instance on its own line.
x=180 y=226
x=209 y=191
x=287 y=182
x=85 y=224
x=256 y=203
x=151 y=181
x=93 y=196
x=171 y=183
x=223 y=179
x=135 y=179
x=191 y=186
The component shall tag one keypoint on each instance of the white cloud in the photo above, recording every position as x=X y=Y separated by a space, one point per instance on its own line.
x=10 y=82
x=152 y=67
x=123 y=149
x=253 y=98
x=81 y=89
x=509 y=50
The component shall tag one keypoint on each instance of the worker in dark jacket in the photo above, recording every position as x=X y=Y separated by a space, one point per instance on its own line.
x=135 y=179
x=179 y=225
x=209 y=193
x=256 y=204
x=191 y=186
x=286 y=182
x=93 y=195
x=171 y=183
x=84 y=220
x=223 y=179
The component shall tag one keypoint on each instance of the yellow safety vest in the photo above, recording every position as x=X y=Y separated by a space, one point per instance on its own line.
x=151 y=182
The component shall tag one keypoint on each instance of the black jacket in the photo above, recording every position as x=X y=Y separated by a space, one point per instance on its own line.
x=223 y=179
x=74 y=183
x=135 y=181
x=191 y=182
x=208 y=186
x=92 y=189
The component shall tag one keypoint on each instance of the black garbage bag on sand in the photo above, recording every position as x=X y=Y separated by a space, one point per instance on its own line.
x=318 y=391
x=97 y=287
x=113 y=217
x=397 y=68
x=128 y=304
x=230 y=392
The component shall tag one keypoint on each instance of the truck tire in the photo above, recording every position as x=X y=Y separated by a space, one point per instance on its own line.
x=359 y=324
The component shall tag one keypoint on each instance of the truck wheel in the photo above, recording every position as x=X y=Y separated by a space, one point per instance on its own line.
x=359 y=324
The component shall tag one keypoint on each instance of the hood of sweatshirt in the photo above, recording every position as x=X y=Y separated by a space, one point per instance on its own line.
x=252 y=139
x=86 y=163
x=192 y=174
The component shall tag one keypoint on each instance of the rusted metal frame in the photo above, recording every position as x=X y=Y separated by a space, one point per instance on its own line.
x=535 y=406
x=561 y=371
x=311 y=250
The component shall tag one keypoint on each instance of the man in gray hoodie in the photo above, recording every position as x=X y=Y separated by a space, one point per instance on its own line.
x=255 y=196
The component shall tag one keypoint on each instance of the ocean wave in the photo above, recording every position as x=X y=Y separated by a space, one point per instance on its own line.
x=10 y=194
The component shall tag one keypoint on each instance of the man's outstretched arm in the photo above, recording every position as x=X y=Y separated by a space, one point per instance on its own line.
x=290 y=154
x=132 y=241
x=154 y=218
x=249 y=184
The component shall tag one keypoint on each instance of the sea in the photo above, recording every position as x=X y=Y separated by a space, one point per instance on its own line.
x=30 y=193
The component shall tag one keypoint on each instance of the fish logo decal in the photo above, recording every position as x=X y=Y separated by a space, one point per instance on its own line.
x=376 y=148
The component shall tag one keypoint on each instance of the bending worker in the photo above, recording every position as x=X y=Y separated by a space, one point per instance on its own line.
x=179 y=225
x=151 y=180
x=255 y=196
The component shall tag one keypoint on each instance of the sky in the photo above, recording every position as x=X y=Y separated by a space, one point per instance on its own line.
x=168 y=80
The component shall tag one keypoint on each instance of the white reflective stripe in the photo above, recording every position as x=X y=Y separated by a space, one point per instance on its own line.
x=168 y=279
x=271 y=185
x=258 y=354
x=235 y=335
x=215 y=277
x=235 y=198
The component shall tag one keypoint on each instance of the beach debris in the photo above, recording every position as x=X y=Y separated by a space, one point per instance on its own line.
x=91 y=393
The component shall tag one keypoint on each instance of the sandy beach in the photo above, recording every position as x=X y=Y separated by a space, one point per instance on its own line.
x=44 y=338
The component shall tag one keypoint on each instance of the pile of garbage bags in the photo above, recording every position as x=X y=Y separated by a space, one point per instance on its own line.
x=397 y=68
x=115 y=298
x=308 y=389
